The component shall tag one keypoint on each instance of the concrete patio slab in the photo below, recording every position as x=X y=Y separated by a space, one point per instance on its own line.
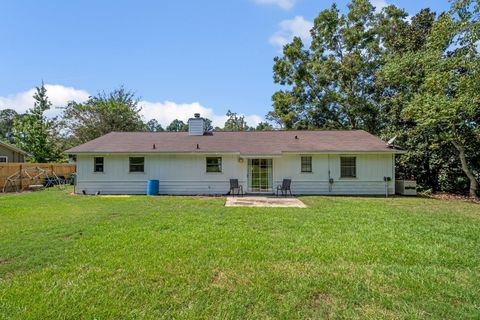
x=262 y=201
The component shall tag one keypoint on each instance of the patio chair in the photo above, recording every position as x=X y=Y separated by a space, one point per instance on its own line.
x=285 y=187
x=235 y=185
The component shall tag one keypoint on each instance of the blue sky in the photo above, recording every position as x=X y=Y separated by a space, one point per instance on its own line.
x=179 y=56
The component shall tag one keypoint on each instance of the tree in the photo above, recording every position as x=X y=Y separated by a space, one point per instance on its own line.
x=7 y=120
x=331 y=83
x=447 y=99
x=235 y=122
x=264 y=126
x=180 y=126
x=36 y=134
x=177 y=126
x=208 y=125
x=101 y=114
x=153 y=126
x=424 y=158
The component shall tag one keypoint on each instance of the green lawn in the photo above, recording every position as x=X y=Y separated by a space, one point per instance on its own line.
x=87 y=257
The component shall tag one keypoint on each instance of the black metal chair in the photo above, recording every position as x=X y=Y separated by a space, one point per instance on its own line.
x=235 y=185
x=285 y=187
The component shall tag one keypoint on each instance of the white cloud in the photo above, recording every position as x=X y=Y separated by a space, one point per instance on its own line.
x=164 y=112
x=284 y=4
x=57 y=94
x=296 y=27
x=379 y=4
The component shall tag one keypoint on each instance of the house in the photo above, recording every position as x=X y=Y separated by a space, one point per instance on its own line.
x=10 y=153
x=198 y=162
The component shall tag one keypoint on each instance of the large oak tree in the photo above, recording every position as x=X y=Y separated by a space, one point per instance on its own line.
x=330 y=84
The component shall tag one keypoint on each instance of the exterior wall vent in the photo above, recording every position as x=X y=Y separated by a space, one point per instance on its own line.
x=196 y=125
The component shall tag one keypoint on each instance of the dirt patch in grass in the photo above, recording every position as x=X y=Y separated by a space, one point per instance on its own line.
x=320 y=299
x=322 y=303
x=73 y=236
x=5 y=261
x=372 y=311
x=113 y=216
x=219 y=279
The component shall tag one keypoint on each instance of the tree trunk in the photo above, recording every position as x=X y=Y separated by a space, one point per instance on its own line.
x=466 y=169
x=431 y=175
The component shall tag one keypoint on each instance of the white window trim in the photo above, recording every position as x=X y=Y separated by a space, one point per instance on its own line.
x=94 y=166
x=136 y=172
x=311 y=164
x=214 y=172
x=356 y=167
x=4 y=157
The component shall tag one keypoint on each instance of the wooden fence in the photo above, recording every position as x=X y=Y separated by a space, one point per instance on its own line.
x=27 y=174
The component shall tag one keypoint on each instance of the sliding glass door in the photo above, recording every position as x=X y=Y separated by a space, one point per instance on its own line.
x=260 y=175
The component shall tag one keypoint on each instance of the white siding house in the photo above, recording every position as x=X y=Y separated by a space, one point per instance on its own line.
x=318 y=162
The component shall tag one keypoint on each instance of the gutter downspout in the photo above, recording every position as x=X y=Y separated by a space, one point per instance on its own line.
x=329 y=175
x=393 y=172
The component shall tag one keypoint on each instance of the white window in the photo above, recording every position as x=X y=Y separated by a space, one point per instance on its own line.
x=214 y=164
x=98 y=164
x=3 y=159
x=137 y=164
x=348 y=167
x=306 y=164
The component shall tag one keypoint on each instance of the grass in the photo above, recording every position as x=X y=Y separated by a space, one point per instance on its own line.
x=86 y=257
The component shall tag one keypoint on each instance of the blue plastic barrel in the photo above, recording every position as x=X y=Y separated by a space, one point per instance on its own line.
x=152 y=187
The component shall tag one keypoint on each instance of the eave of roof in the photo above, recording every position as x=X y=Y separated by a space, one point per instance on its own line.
x=14 y=148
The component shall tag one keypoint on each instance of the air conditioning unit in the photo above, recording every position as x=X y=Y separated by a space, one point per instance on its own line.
x=406 y=187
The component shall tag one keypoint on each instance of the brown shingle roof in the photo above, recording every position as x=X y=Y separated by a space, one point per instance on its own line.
x=245 y=143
